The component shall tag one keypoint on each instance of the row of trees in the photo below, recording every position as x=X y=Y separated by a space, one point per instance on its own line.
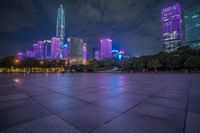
x=183 y=59
x=12 y=61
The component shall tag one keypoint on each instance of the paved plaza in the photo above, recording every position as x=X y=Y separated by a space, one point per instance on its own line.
x=100 y=103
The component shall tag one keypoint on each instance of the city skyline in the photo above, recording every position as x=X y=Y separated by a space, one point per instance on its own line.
x=136 y=44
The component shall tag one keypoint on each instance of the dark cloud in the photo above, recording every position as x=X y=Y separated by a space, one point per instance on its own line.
x=134 y=25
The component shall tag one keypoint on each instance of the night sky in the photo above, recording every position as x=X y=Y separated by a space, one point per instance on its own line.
x=133 y=25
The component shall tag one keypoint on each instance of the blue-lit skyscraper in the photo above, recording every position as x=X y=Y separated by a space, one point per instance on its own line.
x=192 y=27
x=60 y=27
x=47 y=49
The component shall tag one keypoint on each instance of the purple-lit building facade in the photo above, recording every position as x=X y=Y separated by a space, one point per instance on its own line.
x=106 y=48
x=172 y=27
x=84 y=53
x=28 y=54
x=55 y=48
x=38 y=50
x=19 y=56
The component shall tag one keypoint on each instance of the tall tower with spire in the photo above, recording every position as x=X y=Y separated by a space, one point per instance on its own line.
x=60 y=27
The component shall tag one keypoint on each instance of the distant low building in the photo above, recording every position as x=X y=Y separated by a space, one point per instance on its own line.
x=28 y=54
x=19 y=56
x=118 y=54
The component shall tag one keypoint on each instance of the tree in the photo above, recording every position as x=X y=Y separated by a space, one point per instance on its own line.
x=9 y=61
x=139 y=63
x=30 y=62
x=153 y=64
x=192 y=62
x=92 y=66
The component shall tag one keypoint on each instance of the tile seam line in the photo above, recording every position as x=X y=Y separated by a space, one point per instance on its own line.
x=188 y=99
x=163 y=88
x=56 y=115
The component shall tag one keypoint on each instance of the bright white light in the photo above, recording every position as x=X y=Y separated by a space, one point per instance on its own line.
x=16 y=80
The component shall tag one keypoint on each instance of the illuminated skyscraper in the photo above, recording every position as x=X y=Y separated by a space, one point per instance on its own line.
x=38 y=50
x=106 y=48
x=84 y=53
x=55 y=48
x=97 y=55
x=172 y=27
x=47 y=49
x=60 y=27
x=77 y=50
x=192 y=27
x=65 y=52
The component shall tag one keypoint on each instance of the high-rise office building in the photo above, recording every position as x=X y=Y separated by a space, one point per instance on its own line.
x=97 y=55
x=38 y=50
x=60 y=27
x=94 y=49
x=172 y=27
x=65 y=52
x=84 y=53
x=47 y=49
x=106 y=48
x=55 y=48
x=192 y=27
x=76 y=46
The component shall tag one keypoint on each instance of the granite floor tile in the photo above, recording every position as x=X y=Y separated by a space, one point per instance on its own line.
x=89 y=117
x=17 y=116
x=118 y=104
x=135 y=124
x=192 y=123
x=167 y=102
x=50 y=124
x=12 y=97
x=171 y=116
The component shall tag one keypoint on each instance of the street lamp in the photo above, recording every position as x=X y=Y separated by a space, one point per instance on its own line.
x=41 y=62
x=66 y=62
x=16 y=61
